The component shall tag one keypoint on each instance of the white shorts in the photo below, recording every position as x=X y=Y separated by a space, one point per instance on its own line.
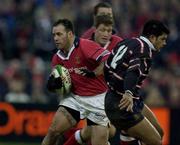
x=89 y=107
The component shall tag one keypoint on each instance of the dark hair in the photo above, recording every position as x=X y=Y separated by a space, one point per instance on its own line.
x=154 y=27
x=103 y=19
x=101 y=5
x=66 y=23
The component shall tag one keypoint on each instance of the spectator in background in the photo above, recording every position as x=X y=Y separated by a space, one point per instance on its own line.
x=16 y=92
x=3 y=87
x=152 y=89
x=38 y=69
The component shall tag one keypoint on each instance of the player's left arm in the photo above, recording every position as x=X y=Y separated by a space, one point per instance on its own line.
x=97 y=54
x=131 y=78
x=99 y=70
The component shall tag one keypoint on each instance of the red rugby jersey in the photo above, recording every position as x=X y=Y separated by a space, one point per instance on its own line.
x=83 y=54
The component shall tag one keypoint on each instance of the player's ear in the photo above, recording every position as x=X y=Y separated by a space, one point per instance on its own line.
x=70 y=33
x=152 y=38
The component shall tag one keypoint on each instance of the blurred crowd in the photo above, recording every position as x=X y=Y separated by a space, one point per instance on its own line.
x=26 y=45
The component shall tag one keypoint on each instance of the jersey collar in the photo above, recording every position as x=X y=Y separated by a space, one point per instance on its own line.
x=61 y=54
x=148 y=42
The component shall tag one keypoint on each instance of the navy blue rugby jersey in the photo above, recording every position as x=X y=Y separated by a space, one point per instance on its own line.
x=128 y=55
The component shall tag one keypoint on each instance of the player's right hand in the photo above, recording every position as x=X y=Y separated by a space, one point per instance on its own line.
x=126 y=102
x=54 y=83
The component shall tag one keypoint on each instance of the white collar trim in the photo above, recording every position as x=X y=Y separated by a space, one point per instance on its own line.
x=148 y=42
x=69 y=53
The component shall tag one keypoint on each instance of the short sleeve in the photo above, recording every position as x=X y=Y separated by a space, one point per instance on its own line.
x=94 y=51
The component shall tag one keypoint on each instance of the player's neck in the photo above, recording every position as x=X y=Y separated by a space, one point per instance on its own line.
x=69 y=45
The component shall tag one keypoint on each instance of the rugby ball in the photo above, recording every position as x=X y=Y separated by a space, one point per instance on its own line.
x=61 y=71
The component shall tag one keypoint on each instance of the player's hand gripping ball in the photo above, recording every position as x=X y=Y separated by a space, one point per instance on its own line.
x=63 y=73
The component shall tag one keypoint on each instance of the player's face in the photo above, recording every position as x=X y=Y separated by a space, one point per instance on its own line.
x=103 y=34
x=160 y=41
x=104 y=11
x=61 y=37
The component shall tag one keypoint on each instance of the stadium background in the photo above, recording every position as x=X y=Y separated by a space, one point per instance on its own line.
x=26 y=48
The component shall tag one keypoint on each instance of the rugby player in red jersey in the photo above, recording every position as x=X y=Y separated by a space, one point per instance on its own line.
x=88 y=89
x=103 y=36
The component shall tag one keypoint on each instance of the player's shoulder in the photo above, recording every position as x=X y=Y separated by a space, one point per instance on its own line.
x=88 y=46
x=138 y=46
x=116 y=38
x=55 y=56
x=88 y=42
x=138 y=41
x=132 y=42
x=55 y=59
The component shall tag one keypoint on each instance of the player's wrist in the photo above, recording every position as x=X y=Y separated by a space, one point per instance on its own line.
x=92 y=74
x=129 y=92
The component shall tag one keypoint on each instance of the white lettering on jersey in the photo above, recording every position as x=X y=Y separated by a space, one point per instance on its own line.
x=119 y=54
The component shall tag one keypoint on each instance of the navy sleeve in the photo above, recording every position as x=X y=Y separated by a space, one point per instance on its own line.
x=130 y=80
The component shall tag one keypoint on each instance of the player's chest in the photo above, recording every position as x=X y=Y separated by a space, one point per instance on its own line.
x=76 y=59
